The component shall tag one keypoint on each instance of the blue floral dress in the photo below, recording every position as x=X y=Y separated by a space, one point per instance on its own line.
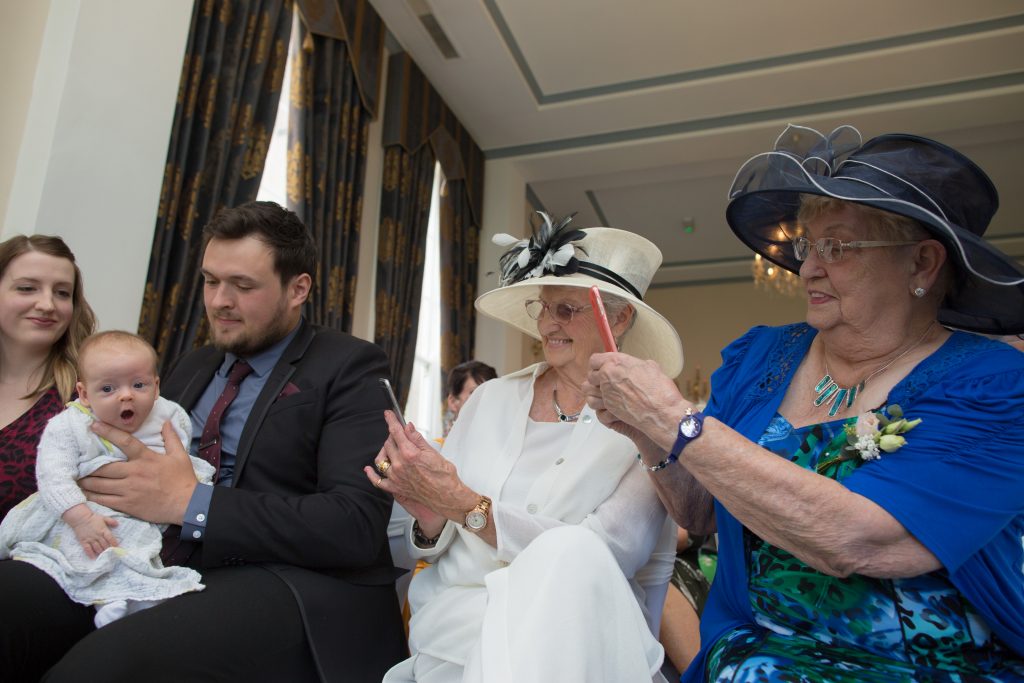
x=815 y=627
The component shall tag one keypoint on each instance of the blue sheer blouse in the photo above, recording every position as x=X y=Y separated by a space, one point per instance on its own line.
x=957 y=485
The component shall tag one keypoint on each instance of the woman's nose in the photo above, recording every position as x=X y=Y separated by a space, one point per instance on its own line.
x=812 y=266
x=44 y=302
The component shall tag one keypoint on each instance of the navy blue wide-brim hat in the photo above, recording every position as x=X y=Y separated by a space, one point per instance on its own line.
x=908 y=175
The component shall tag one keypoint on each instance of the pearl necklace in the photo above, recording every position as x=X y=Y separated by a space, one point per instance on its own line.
x=829 y=393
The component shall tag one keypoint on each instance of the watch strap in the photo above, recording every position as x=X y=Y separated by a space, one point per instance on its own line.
x=482 y=507
x=682 y=439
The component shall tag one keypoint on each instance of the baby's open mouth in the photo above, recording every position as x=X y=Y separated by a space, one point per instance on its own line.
x=127 y=415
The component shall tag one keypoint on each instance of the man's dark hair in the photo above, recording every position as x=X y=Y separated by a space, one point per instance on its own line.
x=480 y=372
x=275 y=226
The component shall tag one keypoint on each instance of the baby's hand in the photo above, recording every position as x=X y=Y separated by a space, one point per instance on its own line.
x=91 y=530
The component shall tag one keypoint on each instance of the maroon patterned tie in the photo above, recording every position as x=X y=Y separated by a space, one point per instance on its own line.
x=209 y=444
x=174 y=551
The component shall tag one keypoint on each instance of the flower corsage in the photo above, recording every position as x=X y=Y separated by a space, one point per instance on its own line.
x=871 y=434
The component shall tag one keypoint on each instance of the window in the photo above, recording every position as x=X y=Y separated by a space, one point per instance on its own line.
x=426 y=401
x=425 y=404
x=274 y=183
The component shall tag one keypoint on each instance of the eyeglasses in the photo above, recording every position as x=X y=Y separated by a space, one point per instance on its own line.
x=830 y=249
x=561 y=313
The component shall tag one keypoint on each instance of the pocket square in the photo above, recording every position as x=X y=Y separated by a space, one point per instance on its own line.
x=289 y=389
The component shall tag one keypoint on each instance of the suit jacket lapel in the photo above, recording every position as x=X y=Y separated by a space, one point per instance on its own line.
x=275 y=383
x=193 y=390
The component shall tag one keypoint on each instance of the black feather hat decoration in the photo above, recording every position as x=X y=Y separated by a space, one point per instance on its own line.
x=549 y=251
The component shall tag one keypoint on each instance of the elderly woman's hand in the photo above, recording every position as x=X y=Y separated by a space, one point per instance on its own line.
x=421 y=479
x=635 y=398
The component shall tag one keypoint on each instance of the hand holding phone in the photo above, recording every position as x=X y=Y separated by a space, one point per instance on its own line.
x=602 y=319
x=386 y=386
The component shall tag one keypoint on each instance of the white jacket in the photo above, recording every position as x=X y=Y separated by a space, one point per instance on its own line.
x=595 y=484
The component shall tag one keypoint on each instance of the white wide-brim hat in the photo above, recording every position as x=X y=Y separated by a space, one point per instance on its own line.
x=617 y=261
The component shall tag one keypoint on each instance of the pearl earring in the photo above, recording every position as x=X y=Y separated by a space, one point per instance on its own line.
x=919 y=292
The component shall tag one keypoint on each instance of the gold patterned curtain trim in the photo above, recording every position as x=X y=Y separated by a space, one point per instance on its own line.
x=328 y=141
x=358 y=25
x=415 y=115
x=227 y=100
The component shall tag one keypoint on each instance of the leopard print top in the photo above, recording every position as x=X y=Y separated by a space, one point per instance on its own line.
x=18 y=442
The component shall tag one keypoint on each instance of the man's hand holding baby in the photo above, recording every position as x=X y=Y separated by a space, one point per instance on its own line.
x=151 y=486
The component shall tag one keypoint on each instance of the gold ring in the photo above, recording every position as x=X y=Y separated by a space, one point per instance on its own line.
x=383 y=466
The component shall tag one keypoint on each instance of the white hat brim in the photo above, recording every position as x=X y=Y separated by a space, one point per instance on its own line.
x=652 y=336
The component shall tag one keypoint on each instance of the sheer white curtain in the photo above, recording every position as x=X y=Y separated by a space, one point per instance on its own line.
x=274 y=184
x=424 y=407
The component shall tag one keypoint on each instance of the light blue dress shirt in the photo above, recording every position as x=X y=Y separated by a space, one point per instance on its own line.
x=232 y=423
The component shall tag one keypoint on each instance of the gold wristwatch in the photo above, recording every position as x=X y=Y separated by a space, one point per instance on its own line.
x=476 y=519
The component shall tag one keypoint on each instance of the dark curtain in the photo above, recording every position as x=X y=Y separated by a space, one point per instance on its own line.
x=336 y=70
x=227 y=101
x=419 y=130
x=404 y=213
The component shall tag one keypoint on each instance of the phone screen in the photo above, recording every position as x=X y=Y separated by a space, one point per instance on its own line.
x=602 y=319
x=386 y=386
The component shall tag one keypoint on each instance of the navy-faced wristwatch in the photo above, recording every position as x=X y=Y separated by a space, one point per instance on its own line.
x=690 y=427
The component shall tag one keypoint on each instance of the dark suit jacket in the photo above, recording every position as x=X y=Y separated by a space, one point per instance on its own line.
x=300 y=504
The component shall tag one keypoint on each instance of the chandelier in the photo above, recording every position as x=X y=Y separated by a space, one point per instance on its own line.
x=772 y=278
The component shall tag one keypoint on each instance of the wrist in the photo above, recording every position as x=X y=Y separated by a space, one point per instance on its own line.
x=179 y=507
x=479 y=517
x=650 y=452
x=425 y=539
x=77 y=514
x=690 y=428
x=668 y=424
x=462 y=503
x=430 y=527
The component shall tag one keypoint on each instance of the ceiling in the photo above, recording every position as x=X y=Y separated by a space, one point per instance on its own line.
x=637 y=114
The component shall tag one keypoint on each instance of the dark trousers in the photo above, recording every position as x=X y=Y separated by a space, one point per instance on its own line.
x=245 y=626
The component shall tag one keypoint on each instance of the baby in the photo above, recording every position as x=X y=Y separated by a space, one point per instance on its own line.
x=73 y=540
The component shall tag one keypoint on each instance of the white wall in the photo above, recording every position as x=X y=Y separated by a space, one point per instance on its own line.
x=504 y=207
x=91 y=159
x=21 y=35
x=708 y=317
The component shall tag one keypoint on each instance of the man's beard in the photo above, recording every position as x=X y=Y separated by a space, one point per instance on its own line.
x=248 y=345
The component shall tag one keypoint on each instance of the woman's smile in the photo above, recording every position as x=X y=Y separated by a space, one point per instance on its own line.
x=815 y=296
x=555 y=342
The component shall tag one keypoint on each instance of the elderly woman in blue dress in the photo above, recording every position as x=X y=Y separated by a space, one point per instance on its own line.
x=865 y=469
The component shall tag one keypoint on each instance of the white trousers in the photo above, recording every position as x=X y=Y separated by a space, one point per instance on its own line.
x=561 y=612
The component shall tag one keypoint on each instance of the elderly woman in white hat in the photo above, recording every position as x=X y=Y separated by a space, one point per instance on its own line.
x=549 y=550
x=867 y=467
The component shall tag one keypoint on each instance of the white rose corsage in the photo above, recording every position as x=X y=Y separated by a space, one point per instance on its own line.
x=872 y=434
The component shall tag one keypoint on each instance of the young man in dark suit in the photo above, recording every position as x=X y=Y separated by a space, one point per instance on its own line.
x=291 y=542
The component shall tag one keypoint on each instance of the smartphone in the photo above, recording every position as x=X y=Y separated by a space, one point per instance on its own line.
x=386 y=386
x=602 y=319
